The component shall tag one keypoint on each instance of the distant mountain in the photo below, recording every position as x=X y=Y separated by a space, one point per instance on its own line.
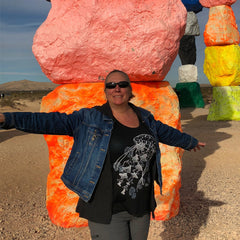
x=27 y=85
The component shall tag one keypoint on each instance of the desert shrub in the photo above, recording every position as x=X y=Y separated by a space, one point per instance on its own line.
x=13 y=99
x=9 y=102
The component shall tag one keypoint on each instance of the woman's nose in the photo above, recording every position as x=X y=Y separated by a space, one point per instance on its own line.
x=117 y=88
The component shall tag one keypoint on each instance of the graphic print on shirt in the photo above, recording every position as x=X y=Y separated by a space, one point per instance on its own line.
x=133 y=166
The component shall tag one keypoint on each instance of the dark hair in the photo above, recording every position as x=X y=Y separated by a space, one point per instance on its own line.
x=126 y=77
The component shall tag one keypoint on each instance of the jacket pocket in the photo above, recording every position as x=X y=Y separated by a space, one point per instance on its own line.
x=83 y=152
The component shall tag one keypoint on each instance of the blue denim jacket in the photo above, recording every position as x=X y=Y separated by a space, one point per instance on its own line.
x=91 y=130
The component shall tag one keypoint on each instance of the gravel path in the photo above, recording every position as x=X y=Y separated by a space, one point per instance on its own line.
x=210 y=193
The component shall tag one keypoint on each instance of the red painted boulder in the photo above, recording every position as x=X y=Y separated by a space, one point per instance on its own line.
x=82 y=40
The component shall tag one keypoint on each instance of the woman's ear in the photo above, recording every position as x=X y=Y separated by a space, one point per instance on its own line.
x=105 y=94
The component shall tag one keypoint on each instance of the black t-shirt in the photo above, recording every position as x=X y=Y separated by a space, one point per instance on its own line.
x=107 y=198
x=131 y=153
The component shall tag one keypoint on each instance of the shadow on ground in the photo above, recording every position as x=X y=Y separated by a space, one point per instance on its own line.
x=194 y=206
x=6 y=135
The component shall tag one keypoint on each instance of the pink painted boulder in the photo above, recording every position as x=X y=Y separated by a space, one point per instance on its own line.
x=82 y=40
x=214 y=3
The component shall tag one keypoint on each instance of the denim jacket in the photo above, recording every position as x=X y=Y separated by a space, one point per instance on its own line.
x=91 y=129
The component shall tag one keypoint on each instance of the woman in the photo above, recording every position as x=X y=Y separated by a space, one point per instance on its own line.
x=114 y=160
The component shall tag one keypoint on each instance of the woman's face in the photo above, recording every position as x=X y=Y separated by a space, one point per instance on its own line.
x=117 y=96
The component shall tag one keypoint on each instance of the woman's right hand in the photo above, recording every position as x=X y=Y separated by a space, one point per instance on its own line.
x=2 y=118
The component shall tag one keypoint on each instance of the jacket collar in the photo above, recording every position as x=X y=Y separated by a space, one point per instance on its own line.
x=106 y=110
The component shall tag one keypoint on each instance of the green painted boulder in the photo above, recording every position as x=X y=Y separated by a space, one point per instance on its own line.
x=189 y=95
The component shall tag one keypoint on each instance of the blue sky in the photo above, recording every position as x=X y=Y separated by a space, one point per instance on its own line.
x=19 y=20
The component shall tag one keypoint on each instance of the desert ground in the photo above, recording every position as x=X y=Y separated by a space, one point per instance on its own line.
x=210 y=193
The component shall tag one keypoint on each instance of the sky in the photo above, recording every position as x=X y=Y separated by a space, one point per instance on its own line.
x=19 y=20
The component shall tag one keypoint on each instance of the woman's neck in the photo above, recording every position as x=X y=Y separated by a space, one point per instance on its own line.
x=120 y=109
x=125 y=115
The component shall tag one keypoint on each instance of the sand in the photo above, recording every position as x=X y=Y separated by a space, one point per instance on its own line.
x=210 y=193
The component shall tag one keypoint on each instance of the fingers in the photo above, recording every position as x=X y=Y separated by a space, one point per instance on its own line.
x=199 y=146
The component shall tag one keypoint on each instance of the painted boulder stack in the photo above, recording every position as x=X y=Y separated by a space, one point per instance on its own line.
x=188 y=89
x=187 y=49
x=80 y=42
x=222 y=59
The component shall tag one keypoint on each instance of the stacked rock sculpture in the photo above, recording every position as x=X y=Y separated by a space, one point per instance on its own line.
x=80 y=42
x=188 y=89
x=222 y=60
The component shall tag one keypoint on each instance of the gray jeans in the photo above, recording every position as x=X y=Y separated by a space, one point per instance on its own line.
x=123 y=226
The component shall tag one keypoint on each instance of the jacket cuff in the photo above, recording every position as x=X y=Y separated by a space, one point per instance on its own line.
x=9 y=121
x=193 y=143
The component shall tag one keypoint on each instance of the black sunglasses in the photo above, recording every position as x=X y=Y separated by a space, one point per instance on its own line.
x=112 y=85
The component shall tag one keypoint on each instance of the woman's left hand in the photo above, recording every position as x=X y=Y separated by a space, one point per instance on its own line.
x=198 y=146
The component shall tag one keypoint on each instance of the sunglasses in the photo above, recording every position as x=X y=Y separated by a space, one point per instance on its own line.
x=112 y=85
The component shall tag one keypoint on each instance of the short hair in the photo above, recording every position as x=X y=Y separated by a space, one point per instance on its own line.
x=126 y=77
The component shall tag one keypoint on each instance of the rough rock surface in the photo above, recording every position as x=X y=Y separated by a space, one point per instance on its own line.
x=192 y=27
x=213 y=3
x=82 y=40
x=188 y=73
x=225 y=106
x=187 y=50
x=189 y=95
x=221 y=28
x=222 y=65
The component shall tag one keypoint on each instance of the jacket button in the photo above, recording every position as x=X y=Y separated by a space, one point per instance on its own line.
x=92 y=182
x=103 y=150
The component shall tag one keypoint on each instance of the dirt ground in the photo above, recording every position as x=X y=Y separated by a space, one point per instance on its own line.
x=210 y=193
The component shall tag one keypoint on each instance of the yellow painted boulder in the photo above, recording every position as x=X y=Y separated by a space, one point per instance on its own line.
x=222 y=65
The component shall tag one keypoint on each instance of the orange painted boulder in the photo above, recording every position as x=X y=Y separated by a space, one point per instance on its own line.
x=214 y=3
x=158 y=97
x=82 y=40
x=221 y=28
